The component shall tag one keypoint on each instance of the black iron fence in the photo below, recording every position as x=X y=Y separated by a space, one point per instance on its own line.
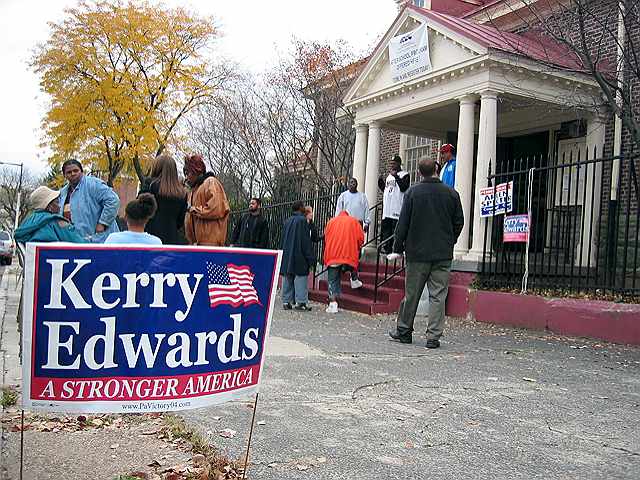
x=276 y=214
x=324 y=205
x=583 y=220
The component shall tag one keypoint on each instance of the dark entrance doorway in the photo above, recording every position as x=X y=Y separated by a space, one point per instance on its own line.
x=519 y=154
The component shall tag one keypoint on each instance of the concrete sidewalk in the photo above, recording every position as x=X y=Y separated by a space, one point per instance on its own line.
x=339 y=400
x=62 y=447
x=9 y=336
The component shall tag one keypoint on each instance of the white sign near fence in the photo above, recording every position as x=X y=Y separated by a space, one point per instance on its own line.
x=503 y=202
x=409 y=54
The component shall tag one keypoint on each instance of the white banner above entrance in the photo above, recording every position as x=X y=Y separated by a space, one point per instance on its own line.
x=409 y=54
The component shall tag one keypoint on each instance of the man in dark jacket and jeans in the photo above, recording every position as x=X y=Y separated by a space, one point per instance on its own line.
x=430 y=222
x=297 y=259
x=252 y=230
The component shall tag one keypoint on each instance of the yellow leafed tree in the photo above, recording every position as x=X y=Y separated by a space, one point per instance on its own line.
x=120 y=77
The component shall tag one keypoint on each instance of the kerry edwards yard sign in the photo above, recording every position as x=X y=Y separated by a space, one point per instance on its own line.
x=516 y=228
x=144 y=329
x=409 y=54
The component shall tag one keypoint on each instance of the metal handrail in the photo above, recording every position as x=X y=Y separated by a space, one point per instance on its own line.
x=387 y=277
x=376 y=231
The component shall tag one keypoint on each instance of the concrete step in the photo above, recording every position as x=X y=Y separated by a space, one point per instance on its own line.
x=354 y=303
x=396 y=282
x=371 y=267
x=385 y=294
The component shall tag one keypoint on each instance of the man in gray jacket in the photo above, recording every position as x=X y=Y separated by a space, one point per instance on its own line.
x=430 y=222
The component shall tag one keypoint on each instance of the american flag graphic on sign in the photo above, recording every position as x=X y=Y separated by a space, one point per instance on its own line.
x=231 y=285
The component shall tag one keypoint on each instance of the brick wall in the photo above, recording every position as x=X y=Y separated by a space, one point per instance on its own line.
x=127 y=190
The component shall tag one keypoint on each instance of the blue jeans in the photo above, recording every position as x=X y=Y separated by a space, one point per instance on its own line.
x=295 y=287
x=334 y=276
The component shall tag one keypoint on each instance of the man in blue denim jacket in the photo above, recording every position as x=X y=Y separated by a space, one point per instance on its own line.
x=89 y=203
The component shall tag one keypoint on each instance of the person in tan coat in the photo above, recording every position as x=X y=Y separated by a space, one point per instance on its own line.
x=208 y=207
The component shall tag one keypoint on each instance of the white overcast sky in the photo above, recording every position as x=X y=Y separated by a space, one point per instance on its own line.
x=252 y=30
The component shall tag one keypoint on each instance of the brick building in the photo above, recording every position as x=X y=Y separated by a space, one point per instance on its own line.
x=503 y=92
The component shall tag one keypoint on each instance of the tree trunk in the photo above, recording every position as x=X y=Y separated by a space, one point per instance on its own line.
x=138 y=167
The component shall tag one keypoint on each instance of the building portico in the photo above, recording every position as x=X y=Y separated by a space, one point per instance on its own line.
x=477 y=90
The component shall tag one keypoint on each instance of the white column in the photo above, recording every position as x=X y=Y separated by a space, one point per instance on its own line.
x=588 y=253
x=464 y=167
x=487 y=133
x=360 y=154
x=373 y=158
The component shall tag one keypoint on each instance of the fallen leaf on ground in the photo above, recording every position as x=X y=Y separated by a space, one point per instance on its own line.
x=141 y=475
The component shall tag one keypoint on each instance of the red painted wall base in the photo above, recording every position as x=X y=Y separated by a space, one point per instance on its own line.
x=613 y=322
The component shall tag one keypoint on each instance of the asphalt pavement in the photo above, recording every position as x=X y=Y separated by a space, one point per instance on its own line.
x=339 y=400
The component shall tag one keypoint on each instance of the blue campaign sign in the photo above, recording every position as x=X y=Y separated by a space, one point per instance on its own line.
x=141 y=329
x=496 y=200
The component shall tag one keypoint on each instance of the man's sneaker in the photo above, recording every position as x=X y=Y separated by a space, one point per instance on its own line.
x=332 y=308
x=433 y=343
x=302 y=307
x=400 y=338
x=287 y=306
x=355 y=283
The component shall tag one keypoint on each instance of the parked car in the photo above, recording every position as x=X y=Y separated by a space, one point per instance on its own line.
x=7 y=248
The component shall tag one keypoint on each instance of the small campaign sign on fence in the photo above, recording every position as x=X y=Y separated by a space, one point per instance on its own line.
x=503 y=202
x=516 y=228
x=131 y=329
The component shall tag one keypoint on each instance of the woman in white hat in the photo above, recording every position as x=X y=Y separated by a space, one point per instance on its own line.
x=45 y=224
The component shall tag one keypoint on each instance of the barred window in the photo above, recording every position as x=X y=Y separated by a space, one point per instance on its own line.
x=417 y=148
